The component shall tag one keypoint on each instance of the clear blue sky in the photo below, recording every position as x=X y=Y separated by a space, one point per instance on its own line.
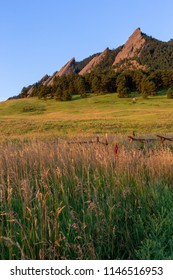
x=38 y=37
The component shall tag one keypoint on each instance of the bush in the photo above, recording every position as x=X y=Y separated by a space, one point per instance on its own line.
x=147 y=88
x=123 y=92
x=33 y=108
x=170 y=93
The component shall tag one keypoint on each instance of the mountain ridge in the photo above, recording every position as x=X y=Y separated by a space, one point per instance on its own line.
x=140 y=51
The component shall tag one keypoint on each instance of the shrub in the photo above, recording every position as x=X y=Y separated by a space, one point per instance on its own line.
x=147 y=88
x=33 y=108
x=170 y=93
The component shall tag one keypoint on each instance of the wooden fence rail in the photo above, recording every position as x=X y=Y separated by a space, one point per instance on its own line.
x=160 y=138
x=142 y=140
x=89 y=142
x=163 y=138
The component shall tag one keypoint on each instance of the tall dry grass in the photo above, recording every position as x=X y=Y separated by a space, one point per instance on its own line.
x=61 y=201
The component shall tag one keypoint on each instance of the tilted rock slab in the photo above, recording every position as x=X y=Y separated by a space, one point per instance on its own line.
x=132 y=47
x=67 y=69
x=93 y=63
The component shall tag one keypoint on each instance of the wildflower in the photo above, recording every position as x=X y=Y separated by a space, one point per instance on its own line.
x=116 y=149
x=74 y=226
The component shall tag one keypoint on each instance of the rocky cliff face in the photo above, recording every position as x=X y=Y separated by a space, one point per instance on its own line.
x=132 y=47
x=40 y=82
x=131 y=64
x=92 y=64
x=67 y=69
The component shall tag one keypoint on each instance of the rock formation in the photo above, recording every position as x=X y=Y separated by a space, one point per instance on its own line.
x=132 y=47
x=40 y=82
x=68 y=68
x=95 y=61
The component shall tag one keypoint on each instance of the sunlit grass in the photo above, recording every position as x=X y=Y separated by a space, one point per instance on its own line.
x=92 y=115
x=64 y=201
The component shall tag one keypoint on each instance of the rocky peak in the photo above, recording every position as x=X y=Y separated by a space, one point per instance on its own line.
x=92 y=64
x=42 y=81
x=68 y=68
x=132 y=47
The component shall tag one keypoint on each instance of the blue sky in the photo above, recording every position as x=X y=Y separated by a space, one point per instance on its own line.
x=38 y=37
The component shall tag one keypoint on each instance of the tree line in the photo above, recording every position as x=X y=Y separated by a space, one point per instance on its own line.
x=124 y=83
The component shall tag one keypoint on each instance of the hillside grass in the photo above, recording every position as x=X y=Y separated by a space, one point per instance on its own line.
x=85 y=116
x=60 y=201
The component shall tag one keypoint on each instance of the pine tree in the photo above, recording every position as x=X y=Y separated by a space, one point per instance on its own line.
x=122 y=88
x=147 y=88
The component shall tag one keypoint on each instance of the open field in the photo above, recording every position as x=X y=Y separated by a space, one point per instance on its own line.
x=71 y=201
x=92 y=115
x=61 y=201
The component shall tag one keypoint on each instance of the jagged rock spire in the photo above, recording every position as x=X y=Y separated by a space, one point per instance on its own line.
x=94 y=62
x=68 y=68
x=135 y=42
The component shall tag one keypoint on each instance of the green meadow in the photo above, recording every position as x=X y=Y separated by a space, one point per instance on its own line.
x=85 y=116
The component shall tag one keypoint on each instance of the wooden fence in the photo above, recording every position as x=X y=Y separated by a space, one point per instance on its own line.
x=133 y=138
x=90 y=142
x=158 y=138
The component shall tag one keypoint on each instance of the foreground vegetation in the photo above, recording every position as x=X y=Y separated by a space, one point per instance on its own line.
x=62 y=201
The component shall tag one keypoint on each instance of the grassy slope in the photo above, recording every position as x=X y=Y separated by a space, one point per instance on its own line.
x=93 y=115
